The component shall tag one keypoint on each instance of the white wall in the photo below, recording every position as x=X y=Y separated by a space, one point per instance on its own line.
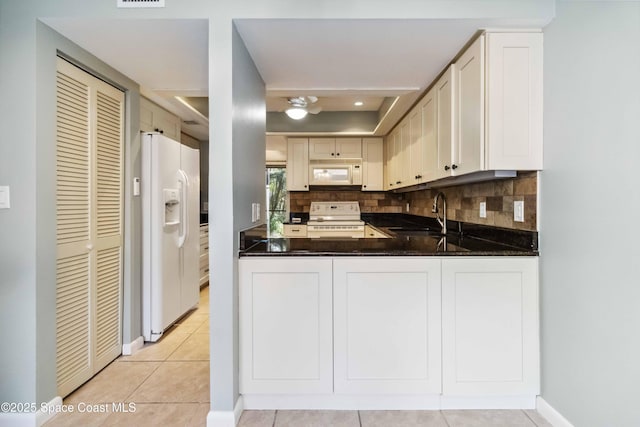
x=590 y=295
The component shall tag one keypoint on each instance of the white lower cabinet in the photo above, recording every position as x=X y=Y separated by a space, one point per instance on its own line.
x=389 y=332
x=286 y=325
x=386 y=325
x=490 y=328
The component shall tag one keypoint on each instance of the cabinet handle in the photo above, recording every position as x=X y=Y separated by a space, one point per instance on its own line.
x=332 y=154
x=305 y=186
x=447 y=168
x=454 y=167
x=295 y=230
x=398 y=182
x=337 y=154
x=364 y=186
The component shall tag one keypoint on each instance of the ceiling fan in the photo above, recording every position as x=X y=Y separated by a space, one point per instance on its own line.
x=301 y=105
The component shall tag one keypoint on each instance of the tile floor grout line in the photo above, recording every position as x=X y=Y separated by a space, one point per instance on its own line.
x=532 y=420
x=446 y=421
x=143 y=381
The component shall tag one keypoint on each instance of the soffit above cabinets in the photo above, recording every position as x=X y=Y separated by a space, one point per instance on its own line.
x=330 y=58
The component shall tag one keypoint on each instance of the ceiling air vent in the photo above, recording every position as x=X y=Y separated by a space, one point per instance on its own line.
x=140 y=3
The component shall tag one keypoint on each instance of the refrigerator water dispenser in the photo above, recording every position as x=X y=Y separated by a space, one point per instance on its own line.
x=171 y=206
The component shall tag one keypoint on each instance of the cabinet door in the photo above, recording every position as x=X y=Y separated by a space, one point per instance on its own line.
x=285 y=325
x=298 y=164
x=514 y=101
x=390 y=147
x=403 y=166
x=415 y=147
x=348 y=148
x=429 y=141
x=490 y=326
x=468 y=149
x=322 y=148
x=446 y=131
x=387 y=325
x=372 y=155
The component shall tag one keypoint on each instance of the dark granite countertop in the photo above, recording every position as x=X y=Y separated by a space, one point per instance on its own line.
x=411 y=236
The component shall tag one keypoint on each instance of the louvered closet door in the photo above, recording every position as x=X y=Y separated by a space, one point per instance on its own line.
x=89 y=225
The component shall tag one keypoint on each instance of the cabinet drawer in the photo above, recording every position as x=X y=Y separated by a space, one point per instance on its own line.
x=295 y=230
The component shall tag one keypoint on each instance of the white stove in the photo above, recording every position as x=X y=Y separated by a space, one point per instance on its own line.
x=335 y=219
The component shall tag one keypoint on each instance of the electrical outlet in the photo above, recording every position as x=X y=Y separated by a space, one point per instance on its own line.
x=407 y=206
x=518 y=211
x=483 y=209
x=257 y=211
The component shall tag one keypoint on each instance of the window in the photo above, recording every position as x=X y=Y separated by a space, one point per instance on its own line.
x=276 y=200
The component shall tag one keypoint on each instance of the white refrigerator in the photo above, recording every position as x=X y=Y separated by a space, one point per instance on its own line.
x=170 y=233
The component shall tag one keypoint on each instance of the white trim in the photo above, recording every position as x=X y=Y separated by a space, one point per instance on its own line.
x=385 y=402
x=488 y=402
x=238 y=409
x=554 y=417
x=133 y=346
x=30 y=419
x=44 y=416
x=226 y=418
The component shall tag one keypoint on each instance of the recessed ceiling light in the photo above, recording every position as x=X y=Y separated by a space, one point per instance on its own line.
x=358 y=103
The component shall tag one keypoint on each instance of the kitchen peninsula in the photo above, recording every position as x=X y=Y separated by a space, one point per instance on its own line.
x=409 y=321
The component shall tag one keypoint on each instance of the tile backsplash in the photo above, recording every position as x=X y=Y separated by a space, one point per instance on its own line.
x=463 y=201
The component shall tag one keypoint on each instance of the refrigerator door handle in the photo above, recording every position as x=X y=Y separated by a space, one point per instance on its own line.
x=184 y=220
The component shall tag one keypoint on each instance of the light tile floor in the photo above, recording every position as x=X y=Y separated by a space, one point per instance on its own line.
x=168 y=382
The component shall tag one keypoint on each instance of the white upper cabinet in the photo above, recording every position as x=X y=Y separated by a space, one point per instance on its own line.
x=335 y=148
x=156 y=119
x=468 y=141
x=348 y=148
x=390 y=160
x=444 y=89
x=429 y=135
x=416 y=172
x=483 y=114
x=514 y=101
x=372 y=158
x=322 y=148
x=298 y=164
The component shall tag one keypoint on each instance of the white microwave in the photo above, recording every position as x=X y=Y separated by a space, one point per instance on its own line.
x=336 y=172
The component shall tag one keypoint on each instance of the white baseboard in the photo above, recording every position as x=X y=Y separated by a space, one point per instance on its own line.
x=226 y=418
x=30 y=419
x=554 y=417
x=130 y=348
x=386 y=402
x=44 y=416
x=488 y=402
x=341 y=402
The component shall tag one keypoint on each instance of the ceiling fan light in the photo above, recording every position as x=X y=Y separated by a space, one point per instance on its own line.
x=296 y=113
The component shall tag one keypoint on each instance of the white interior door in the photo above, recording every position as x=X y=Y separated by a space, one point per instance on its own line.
x=89 y=225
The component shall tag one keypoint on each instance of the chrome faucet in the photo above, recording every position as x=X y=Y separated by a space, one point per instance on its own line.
x=442 y=221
